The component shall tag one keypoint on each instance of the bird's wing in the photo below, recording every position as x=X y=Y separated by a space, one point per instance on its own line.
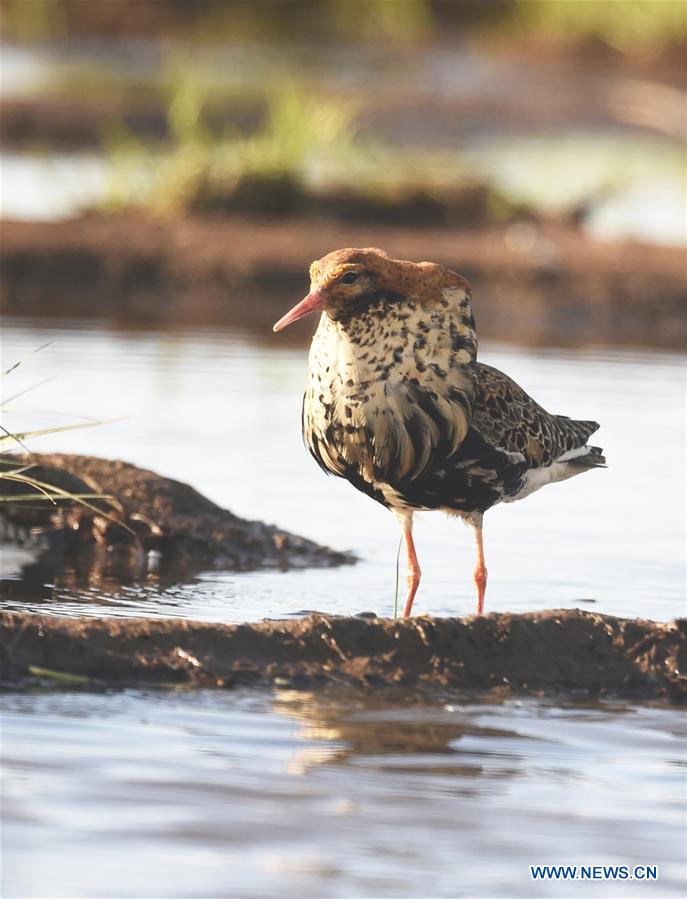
x=508 y=419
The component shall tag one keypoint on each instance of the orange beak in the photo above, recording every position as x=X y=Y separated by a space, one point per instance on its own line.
x=311 y=303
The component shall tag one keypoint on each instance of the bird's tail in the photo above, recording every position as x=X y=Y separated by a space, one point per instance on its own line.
x=593 y=458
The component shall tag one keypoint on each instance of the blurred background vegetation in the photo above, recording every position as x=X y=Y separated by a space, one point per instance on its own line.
x=354 y=108
x=629 y=26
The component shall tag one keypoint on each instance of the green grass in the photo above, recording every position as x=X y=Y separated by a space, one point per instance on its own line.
x=301 y=130
x=307 y=158
x=307 y=148
x=28 y=490
x=58 y=678
x=300 y=126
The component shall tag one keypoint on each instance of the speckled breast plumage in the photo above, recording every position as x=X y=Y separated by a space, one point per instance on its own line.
x=397 y=404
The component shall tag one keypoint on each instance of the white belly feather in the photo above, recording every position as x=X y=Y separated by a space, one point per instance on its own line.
x=559 y=470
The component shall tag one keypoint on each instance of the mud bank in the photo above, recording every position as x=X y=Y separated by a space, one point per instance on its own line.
x=145 y=523
x=531 y=283
x=571 y=652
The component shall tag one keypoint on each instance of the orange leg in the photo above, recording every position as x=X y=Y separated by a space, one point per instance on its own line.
x=414 y=573
x=480 y=573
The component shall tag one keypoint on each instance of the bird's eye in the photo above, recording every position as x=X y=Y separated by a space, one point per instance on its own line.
x=349 y=278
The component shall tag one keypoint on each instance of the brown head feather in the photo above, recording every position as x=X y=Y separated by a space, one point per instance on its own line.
x=422 y=282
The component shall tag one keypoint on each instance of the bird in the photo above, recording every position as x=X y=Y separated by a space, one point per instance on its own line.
x=397 y=403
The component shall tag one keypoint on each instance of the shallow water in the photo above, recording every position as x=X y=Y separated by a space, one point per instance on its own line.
x=244 y=794
x=51 y=186
x=222 y=411
x=213 y=794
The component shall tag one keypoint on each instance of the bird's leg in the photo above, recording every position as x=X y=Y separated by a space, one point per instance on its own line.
x=480 y=573
x=413 y=565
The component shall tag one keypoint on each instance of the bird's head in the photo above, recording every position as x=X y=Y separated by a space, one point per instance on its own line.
x=342 y=283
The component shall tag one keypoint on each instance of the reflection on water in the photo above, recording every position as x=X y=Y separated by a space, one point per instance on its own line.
x=33 y=575
x=223 y=412
x=415 y=736
x=332 y=795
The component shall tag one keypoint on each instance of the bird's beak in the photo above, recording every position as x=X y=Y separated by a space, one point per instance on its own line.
x=312 y=302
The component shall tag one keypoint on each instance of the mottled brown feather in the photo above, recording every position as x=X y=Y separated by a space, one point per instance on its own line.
x=509 y=419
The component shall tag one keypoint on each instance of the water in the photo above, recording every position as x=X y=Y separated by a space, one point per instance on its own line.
x=347 y=794
x=51 y=186
x=222 y=411
x=214 y=794
x=635 y=186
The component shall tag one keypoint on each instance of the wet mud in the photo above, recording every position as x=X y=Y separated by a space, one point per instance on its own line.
x=553 y=652
x=144 y=524
x=532 y=283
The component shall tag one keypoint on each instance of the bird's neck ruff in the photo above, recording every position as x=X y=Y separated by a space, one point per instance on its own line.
x=391 y=385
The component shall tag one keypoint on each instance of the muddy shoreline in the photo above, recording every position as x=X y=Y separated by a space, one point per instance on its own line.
x=552 y=652
x=144 y=526
x=532 y=283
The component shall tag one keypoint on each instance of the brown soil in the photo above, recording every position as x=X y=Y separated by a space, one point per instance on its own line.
x=571 y=652
x=531 y=283
x=148 y=520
